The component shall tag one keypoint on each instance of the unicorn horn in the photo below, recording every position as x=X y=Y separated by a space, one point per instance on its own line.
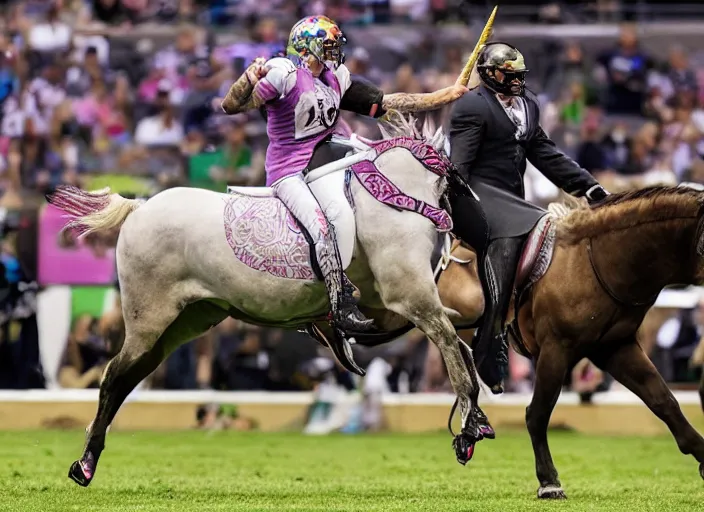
x=467 y=71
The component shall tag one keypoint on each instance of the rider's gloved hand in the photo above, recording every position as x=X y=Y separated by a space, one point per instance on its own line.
x=595 y=194
x=256 y=70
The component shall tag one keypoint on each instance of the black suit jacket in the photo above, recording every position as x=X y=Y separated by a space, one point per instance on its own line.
x=484 y=146
x=486 y=152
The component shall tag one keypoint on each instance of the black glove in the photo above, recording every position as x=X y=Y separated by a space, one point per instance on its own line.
x=595 y=194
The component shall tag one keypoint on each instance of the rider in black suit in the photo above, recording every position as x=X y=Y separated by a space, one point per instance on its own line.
x=494 y=129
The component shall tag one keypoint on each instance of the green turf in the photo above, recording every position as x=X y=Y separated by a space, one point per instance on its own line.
x=195 y=471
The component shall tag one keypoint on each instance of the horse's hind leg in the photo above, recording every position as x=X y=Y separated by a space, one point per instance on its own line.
x=631 y=367
x=140 y=355
x=150 y=337
x=550 y=372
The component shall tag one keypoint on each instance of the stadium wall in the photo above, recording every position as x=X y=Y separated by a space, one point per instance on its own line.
x=612 y=413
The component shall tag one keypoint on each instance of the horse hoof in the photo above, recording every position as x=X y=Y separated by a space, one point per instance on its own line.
x=486 y=432
x=701 y=470
x=77 y=474
x=464 y=448
x=551 y=492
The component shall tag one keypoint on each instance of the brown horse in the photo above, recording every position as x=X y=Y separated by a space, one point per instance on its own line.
x=609 y=264
x=698 y=360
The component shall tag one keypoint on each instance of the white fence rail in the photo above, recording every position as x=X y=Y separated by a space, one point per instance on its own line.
x=616 y=397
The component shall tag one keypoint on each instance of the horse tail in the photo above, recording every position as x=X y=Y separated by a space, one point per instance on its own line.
x=93 y=211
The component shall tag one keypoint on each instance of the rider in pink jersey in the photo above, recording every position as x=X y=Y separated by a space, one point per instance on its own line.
x=302 y=98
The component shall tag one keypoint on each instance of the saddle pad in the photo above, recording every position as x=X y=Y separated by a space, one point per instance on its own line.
x=265 y=236
x=537 y=252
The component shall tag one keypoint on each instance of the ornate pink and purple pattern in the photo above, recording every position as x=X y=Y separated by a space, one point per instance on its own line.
x=266 y=237
x=432 y=159
x=384 y=191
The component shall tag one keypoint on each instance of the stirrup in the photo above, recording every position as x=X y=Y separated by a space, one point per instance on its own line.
x=346 y=314
x=350 y=318
x=339 y=346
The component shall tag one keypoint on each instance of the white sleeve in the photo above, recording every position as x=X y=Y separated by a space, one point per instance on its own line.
x=281 y=74
x=141 y=132
x=667 y=334
x=344 y=78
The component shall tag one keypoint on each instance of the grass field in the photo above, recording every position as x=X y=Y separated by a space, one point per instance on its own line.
x=195 y=471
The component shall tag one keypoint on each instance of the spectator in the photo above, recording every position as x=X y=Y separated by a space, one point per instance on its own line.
x=174 y=62
x=591 y=154
x=640 y=152
x=111 y=12
x=161 y=129
x=680 y=76
x=237 y=164
x=572 y=68
x=625 y=71
x=616 y=144
x=80 y=78
x=52 y=37
x=677 y=340
x=240 y=362
x=9 y=81
x=85 y=357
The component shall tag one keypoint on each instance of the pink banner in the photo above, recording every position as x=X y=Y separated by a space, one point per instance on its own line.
x=77 y=265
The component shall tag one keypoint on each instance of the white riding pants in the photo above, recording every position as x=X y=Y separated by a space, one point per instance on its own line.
x=298 y=198
x=301 y=202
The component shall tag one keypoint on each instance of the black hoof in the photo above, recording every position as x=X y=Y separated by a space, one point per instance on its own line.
x=551 y=492
x=486 y=432
x=701 y=470
x=77 y=475
x=464 y=446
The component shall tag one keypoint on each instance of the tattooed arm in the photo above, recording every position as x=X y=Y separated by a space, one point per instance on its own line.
x=363 y=97
x=240 y=98
x=403 y=102
x=261 y=83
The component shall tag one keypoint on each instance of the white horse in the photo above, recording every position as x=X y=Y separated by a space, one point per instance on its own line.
x=187 y=258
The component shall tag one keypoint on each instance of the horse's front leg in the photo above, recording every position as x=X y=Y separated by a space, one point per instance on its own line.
x=550 y=373
x=630 y=366
x=701 y=391
x=426 y=311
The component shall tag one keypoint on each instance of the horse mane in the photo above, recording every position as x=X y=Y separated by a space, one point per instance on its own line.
x=395 y=124
x=629 y=209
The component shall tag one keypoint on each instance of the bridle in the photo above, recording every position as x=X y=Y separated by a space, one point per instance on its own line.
x=609 y=291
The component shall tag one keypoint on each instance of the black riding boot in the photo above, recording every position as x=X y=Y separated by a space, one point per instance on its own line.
x=343 y=294
x=497 y=274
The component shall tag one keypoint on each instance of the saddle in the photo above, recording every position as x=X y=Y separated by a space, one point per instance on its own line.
x=265 y=236
x=281 y=246
x=534 y=262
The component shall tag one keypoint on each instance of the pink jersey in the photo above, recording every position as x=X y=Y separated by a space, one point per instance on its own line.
x=301 y=111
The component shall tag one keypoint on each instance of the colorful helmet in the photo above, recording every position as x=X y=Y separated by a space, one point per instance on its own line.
x=507 y=59
x=320 y=37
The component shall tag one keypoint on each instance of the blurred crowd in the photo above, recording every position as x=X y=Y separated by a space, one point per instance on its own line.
x=85 y=101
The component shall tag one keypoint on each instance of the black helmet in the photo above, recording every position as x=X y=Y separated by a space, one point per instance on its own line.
x=508 y=60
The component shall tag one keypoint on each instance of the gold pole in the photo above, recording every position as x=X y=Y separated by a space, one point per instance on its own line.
x=467 y=71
